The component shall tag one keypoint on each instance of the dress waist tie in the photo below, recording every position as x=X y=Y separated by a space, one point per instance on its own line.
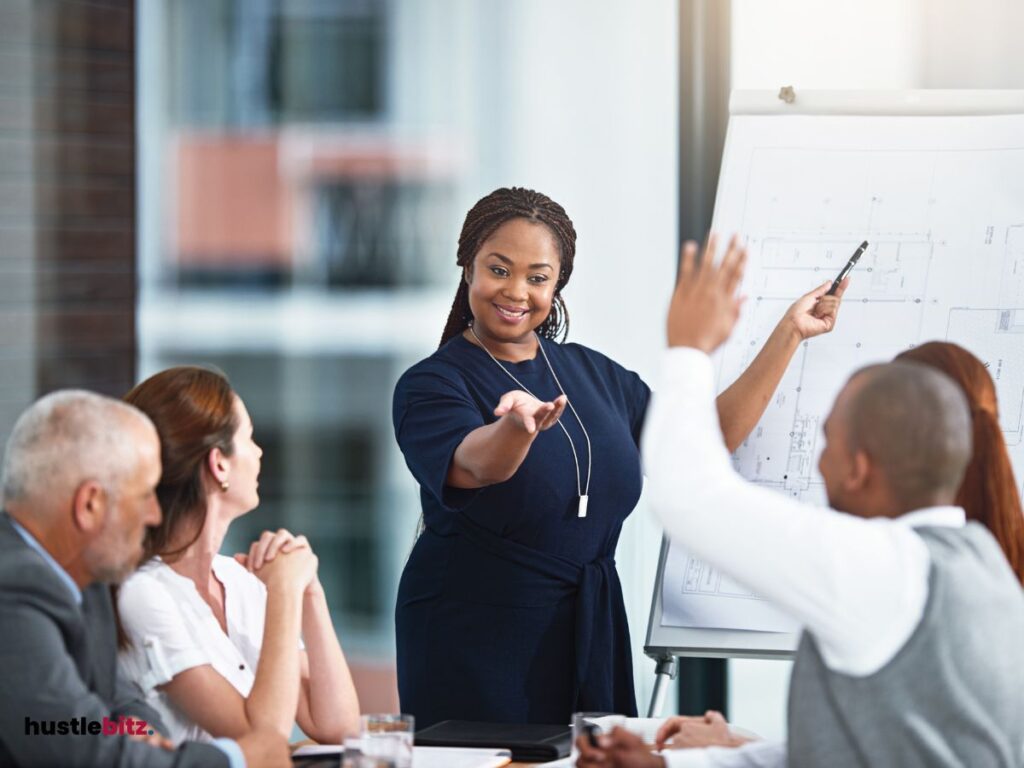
x=604 y=662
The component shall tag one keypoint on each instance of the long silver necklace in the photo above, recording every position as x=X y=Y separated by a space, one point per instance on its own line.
x=584 y=491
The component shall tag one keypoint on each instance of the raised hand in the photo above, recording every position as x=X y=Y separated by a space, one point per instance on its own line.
x=704 y=306
x=529 y=413
x=815 y=313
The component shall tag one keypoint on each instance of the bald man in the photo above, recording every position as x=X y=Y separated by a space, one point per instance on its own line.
x=78 y=484
x=911 y=653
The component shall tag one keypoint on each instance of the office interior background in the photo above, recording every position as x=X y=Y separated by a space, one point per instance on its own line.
x=276 y=187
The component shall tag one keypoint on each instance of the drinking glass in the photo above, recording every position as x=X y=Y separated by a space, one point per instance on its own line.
x=388 y=739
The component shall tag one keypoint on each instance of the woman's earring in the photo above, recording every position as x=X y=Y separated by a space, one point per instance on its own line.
x=224 y=485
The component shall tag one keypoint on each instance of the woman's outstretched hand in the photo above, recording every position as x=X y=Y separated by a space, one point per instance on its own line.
x=815 y=313
x=704 y=306
x=529 y=413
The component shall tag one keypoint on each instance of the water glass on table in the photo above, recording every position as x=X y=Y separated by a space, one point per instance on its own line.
x=387 y=740
x=596 y=723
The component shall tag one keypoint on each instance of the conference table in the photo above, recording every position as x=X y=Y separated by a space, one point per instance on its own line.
x=333 y=762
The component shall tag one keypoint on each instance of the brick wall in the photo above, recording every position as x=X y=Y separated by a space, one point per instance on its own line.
x=67 y=199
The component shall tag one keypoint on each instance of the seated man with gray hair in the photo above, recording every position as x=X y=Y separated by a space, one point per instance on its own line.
x=79 y=476
x=911 y=653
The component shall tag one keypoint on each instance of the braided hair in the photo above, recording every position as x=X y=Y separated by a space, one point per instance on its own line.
x=481 y=222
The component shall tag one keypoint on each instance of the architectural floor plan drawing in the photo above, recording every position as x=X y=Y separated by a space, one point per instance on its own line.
x=941 y=202
x=706 y=598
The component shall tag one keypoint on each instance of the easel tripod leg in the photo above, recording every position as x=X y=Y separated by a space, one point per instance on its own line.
x=666 y=670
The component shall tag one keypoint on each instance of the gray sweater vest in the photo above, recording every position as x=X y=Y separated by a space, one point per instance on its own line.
x=954 y=693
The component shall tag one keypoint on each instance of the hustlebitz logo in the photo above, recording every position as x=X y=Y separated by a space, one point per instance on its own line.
x=83 y=726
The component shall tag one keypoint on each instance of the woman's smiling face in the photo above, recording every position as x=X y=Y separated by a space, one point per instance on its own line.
x=512 y=281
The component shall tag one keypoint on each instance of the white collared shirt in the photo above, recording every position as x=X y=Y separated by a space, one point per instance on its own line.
x=858 y=586
x=172 y=629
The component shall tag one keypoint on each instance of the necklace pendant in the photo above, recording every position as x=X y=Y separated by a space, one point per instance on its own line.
x=582 y=509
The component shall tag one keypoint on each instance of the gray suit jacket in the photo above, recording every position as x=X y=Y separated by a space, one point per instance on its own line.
x=58 y=664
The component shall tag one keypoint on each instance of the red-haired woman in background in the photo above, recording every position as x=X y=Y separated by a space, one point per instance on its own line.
x=989 y=492
x=214 y=641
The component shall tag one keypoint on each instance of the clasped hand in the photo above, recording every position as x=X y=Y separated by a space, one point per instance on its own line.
x=282 y=559
x=619 y=749
x=683 y=732
x=622 y=749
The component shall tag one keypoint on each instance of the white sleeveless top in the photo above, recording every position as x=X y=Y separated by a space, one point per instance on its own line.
x=172 y=629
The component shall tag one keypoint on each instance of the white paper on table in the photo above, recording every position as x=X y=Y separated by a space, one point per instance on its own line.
x=428 y=757
x=459 y=757
x=318 y=750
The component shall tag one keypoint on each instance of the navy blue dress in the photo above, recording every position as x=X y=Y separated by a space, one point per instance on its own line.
x=509 y=608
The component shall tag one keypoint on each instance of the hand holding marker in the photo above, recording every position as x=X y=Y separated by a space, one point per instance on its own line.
x=848 y=268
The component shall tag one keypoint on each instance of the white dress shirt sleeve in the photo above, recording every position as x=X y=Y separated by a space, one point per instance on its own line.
x=163 y=644
x=755 y=754
x=858 y=586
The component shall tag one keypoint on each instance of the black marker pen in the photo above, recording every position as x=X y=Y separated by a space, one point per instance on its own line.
x=848 y=268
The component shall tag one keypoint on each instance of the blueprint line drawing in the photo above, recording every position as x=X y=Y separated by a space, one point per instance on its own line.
x=997 y=337
x=943 y=212
x=702 y=579
x=697 y=595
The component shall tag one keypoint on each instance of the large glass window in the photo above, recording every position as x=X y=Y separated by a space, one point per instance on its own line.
x=305 y=166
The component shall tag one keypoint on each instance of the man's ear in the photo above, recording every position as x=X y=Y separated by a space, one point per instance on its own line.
x=861 y=470
x=89 y=507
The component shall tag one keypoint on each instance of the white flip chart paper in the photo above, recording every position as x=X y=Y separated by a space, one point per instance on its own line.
x=941 y=201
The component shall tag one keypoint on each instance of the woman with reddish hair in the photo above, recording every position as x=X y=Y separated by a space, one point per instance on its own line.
x=989 y=492
x=214 y=641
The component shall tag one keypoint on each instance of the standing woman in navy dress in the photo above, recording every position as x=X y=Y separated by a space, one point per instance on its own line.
x=525 y=449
